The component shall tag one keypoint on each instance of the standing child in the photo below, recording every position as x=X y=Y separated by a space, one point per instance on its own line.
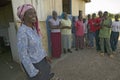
x=79 y=33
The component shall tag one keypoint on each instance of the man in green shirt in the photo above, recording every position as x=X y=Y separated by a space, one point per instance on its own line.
x=104 y=35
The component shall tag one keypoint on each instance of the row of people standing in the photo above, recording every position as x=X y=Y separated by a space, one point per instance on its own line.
x=100 y=29
x=83 y=32
x=60 y=34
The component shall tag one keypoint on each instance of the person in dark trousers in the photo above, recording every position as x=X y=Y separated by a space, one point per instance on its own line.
x=98 y=26
x=115 y=33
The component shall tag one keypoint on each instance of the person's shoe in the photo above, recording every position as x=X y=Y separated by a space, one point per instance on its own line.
x=111 y=56
x=65 y=52
x=76 y=49
x=114 y=52
x=102 y=54
x=98 y=52
x=51 y=75
x=69 y=51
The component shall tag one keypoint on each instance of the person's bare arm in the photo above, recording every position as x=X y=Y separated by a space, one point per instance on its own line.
x=53 y=26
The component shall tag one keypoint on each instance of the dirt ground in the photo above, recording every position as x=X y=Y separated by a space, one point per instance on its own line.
x=87 y=64
x=84 y=64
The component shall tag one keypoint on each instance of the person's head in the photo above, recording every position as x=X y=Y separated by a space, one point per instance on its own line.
x=116 y=17
x=105 y=15
x=73 y=18
x=27 y=13
x=88 y=16
x=84 y=20
x=80 y=18
x=93 y=16
x=54 y=14
x=100 y=13
x=80 y=12
x=65 y=15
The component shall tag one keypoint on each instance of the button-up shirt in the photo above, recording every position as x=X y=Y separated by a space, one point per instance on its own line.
x=116 y=26
x=29 y=48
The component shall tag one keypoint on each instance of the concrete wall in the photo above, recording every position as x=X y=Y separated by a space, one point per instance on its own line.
x=78 y=5
x=44 y=35
x=43 y=7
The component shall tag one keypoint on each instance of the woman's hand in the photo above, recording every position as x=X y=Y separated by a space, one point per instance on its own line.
x=48 y=59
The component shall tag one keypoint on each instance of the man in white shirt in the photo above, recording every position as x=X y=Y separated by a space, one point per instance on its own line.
x=115 y=33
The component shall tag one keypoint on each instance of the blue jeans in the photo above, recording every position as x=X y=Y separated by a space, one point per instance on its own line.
x=91 y=39
x=114 y=40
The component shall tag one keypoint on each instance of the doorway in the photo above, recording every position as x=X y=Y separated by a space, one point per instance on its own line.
x=67 y=6
x=6 y=16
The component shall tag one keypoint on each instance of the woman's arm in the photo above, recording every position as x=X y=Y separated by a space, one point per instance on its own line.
x=54 y=26
x=23 y=54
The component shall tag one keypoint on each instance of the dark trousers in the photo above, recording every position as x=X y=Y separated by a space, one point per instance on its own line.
x=44 y=68
x=97 y=40
x=114 y=40
x=91 y=39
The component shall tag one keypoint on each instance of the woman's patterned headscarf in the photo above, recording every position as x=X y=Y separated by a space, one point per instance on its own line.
x=21 y=12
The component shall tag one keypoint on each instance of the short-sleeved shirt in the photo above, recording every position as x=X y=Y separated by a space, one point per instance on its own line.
x=91 y=23
x=79 y=28
x=116 y=26
x=98 y=21
x=105 y=31
x=66 y=23
x=55 y=23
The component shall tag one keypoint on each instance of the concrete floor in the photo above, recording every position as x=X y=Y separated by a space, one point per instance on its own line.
x=85 y=64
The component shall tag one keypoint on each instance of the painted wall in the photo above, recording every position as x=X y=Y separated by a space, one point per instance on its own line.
x=44 y=35
x=78 y=5
x=43 y=7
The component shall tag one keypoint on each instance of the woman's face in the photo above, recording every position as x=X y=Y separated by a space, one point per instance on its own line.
x=30 y=16
x=116 y=17
x=65 y=15
x=55 y=15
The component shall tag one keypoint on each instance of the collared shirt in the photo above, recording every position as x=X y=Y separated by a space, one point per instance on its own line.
x=55 y=23
x=29 y=48
x=66 y=23
x=116 y=26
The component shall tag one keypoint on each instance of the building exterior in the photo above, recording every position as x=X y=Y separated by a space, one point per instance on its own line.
x=44 y=9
